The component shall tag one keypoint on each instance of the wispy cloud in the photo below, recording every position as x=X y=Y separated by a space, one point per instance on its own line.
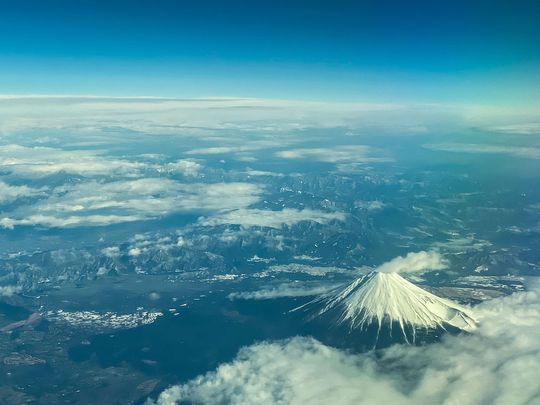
x=515 y=151
x=40 y=161
x=93 y=203
x=317 y=271
x=9 y=290
x=525 y=128
x=283 y=290
x=337 y=154
x=374 y=205
x=9 y=193
x=262 y=173
x=271 y=219
x=220 y=150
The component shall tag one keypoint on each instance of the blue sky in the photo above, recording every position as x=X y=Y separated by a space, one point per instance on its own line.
x=419 y=51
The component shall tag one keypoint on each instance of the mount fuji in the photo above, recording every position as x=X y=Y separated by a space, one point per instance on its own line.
x=380 y=299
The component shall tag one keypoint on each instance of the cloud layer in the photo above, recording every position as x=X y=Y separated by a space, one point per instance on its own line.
x=94 y=203
x=38 y=161
x=169 y=116
x=42 y=161
x=494 y=365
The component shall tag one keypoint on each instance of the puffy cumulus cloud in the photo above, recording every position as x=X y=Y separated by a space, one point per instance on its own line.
x=94 y=203
x=111 y=251
x=337 y=154
x=494 y=365
x=283 y=290
x=186 y=167
x=9 y=193
x=297 y=371
x=134 y=252
x=271 y=219
x=414 y=262
x=528 y=152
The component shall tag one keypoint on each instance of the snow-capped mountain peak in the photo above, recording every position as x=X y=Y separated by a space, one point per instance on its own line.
x=380 y=297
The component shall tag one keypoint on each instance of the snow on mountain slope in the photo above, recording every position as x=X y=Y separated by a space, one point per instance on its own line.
x=380 y=297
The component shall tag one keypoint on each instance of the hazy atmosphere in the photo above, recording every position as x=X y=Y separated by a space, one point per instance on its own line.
x=269 y=202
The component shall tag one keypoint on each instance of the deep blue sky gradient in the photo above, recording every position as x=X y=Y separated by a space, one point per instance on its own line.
x=434 y=51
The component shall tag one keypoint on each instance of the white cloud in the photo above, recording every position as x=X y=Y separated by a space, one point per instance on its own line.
x=283 y=290
x=515 y=151
x=209 y=116
x=251 y=172
x=337 y=154
x=220 y=150
x=525 y=128
x=111 y=251
x=41 y=161
x=272 y=219
x=458 y=244
x=186 y=167
x=374 y=205
x=241 y=147
x=493 y=365
x=153 y=115
x=414 y=262
x=317 y=271
x=241 y=157
x=294 y=372
x=10 y=193
x=307 y=258
x=134 y=252
x=93 y=203
x=9 y=290
x=52 y=221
